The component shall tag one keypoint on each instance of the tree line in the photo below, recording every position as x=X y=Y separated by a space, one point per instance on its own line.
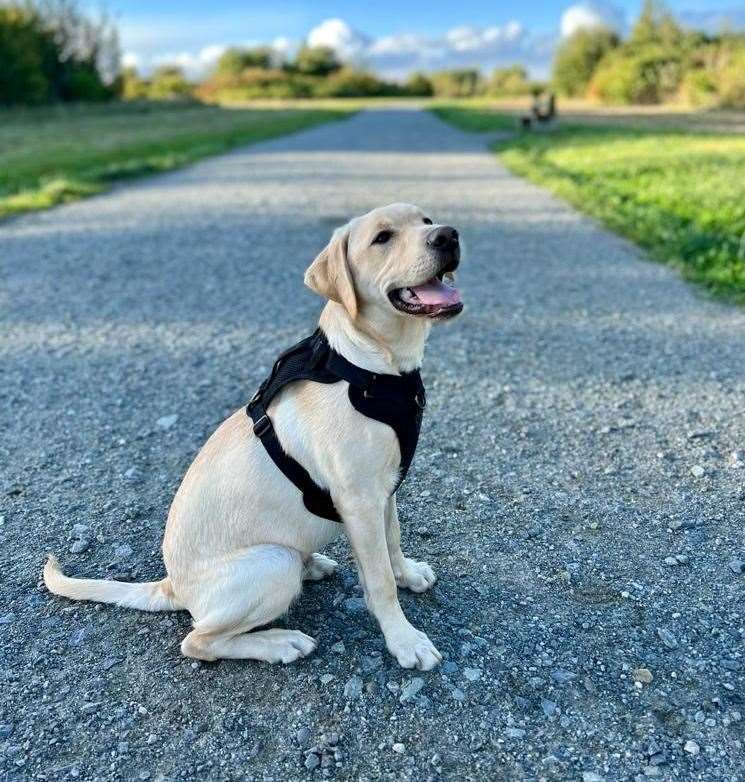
x=51 y=50
x=659 y=62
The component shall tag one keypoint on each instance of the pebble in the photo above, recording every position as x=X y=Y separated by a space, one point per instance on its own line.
x=514 y=733
x=549 y=707
x=80 y=531
x=303 y=736
x=79 y=546
x=449 y=667
x=697 y=471
x=339 y=648
x=562 y=677
x=123 y=551
x=592 y=776
x=691 y=747
x=167 y=421
x=411 y=689
x=355 y=605
x=399 y=748
x=312 y=762
x=667 y=638
x=677 y=559
x=737 y=566
x=353 y=688
x=472 y=674
x=643 y=675
x=5 y=730
x=458 y=694
x=327 y=678
x=7 y=619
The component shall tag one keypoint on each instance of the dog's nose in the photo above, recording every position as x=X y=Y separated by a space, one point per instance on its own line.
x=444 y=237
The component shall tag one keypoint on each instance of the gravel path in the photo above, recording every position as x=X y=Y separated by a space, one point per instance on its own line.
x=579 y=485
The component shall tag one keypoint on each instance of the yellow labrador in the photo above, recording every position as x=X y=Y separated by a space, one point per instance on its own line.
x=239 y=541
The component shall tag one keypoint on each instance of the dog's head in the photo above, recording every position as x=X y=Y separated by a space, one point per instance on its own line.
x=393 y=259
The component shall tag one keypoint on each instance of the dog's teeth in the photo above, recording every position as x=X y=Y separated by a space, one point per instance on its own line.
x=408 y=295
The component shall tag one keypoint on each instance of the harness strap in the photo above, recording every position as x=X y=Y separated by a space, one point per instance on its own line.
x=316 y=499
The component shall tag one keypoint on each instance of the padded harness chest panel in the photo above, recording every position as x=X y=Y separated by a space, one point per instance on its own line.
x=395 y=400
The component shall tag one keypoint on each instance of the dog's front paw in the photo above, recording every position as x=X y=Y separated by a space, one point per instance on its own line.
x=413 y=649
x=416 y=576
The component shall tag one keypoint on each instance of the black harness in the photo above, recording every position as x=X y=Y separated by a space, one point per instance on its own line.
x=396 y=400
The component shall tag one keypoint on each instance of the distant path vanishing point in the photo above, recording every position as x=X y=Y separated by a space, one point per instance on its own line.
x=579 y=486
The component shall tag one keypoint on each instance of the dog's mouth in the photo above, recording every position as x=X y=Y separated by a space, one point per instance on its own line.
x=436 y=298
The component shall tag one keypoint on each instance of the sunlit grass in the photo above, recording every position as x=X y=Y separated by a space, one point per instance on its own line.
x=52 y=155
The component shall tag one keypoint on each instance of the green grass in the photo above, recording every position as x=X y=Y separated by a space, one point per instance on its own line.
x=678 y=194
x=52 y=155
x=476 y=119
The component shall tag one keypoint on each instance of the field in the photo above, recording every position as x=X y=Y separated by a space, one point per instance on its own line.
x=677 y=192
x=58 y=154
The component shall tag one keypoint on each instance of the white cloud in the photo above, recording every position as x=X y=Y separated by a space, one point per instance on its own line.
x=339 y=36
x=193 y=65
x=131 y=60
x=586 y=15
x=463 y=46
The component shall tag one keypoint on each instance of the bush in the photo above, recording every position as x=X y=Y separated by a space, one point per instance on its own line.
x=463 y=83
x=418 y=85
x=235 y=60
x=349 y=83
x=509 y=81
x=256 y=83
x=578 y=57
x=650 y=76
x=316 y=61
x=169 y=83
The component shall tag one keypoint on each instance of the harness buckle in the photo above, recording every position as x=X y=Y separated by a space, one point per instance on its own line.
x=420 y=400
x=262 y=426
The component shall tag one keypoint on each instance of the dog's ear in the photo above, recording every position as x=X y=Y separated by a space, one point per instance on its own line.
x=330 y=276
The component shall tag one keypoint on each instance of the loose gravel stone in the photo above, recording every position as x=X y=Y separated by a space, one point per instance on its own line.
x=667 y=638
x=174 y=295
x=353 y=688
x=737 y=566
x=411 y=689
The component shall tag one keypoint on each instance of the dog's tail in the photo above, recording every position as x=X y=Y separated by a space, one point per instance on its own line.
x=147 y=596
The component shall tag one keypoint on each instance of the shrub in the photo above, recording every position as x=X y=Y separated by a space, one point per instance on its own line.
x=22 y=76
x=236 y=59
x=652 y=75
x=350 y=83
x=463 y=83
x=512 y=80
x=169 y=83
x=315 y=61
x=256 y=83
x=418 y=85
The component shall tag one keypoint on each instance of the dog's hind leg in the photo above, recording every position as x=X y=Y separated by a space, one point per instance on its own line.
x=248 y=590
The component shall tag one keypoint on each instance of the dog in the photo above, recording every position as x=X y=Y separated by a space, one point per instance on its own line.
x=239 y=541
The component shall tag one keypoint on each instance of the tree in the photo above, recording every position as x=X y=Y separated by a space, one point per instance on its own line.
x=462 y=83
x=22 y=76
x=169 y=83
x=512 y=80
x=655 y=25
x=236 y=59
x=418 y=84
x=578 y=57
x=316 y=61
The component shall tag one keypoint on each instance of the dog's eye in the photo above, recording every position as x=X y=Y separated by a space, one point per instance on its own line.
x=426 y=221
x=382 y=237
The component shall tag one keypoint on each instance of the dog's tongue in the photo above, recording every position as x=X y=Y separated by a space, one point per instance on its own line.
x=436 y=292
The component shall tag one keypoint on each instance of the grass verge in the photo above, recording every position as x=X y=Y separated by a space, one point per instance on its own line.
x=52 y=155
x=678 y=194
x=475 y=119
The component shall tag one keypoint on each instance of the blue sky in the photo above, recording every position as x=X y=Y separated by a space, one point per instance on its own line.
x=390 y=36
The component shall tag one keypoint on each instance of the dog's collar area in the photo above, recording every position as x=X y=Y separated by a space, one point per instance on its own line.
x=396 y=400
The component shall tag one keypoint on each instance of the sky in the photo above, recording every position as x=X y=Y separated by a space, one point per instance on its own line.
x=391 y=37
